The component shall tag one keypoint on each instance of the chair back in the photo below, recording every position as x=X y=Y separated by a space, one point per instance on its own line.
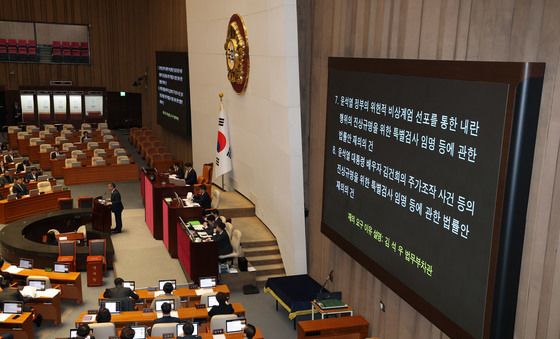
x=54 y=230
x=207 y=170
x=82 y=229
x=236 y=241
x=216 y=198
x=67 y=146
x=95 y=159
x=68 y=162
x=122 y=160
x=99 y=152
x=102 y=125
x=39 y=277
x=44 y=187
x=229 y=229
x=30 y=128
x=119 y=151
x=14 y=129
x=67 y=248
x=108 y=137
x=158 y=330
x=75 y=153
x=92 y=145
x=114 y=145
x=219 y=321
x=105 y=131
x=103 y=330
x=60 y=140
x=45 y=148
x=98 y=247
x=35 y=141
x=85 y=125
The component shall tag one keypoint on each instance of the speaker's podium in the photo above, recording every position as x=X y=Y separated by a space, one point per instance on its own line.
x=101 y=216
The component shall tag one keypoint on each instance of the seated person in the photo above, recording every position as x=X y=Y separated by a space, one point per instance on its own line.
x=13 y=294
x=22 y=166
x=168 y=289
x=6 y=178
x=2 y=166
x=202 y=198
x=119 y=291
x=55 y=153
x=249 y=331
x=190 y=174
x=166 y=315
x=84 y=332
x=222 y=238
x=188 y=329
x=177 y=169
x=223 y=306
x=127 y=333
x=209 y=223
x=103 y=316
x=19 y=188
x=85 y=137
x=33 y=175
x=9 y=158
x=4 y=146
x=51 y=238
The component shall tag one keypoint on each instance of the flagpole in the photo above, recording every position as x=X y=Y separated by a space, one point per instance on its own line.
x=221 y=95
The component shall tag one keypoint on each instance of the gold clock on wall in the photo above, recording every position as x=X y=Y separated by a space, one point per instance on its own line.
x=237 y=53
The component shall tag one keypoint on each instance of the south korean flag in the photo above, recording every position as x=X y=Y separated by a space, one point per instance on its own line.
x=223 y=149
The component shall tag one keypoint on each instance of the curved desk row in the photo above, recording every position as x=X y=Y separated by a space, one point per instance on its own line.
x=26 y=206
x=107 y=173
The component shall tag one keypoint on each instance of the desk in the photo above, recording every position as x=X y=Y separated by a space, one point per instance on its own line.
x=198 y=259
x=49 y=308
x=172 y=210
x=333 y=328
x=182 y=292
x=107 y=173
x=4 y=191
x=70 y=236
x=16 y=209
x=155 y=192
x=20 y=328
x=12 y=140
x=315 y=308
x=207 y=335
x=70 y=283
x=131 y=317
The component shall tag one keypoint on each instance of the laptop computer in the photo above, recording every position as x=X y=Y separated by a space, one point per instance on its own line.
x=73 y=333
x=235 y=325
x=40 y=285
x=162 y=301
x=61 y=267
x=181 y=333
x=162 y=282
x=207 y=282
x=112 y=306
x=12 y=307
x=211 y=300
x=130 y=284
x=25 y=263
x=139 y=332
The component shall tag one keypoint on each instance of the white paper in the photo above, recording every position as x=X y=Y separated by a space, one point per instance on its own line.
x=4 y=316
x=13 y=269
x=219 y=336
x=48 y=293
x=201 y=291
x=158 y=293
x=88 y=318
x=233 y=270
x=198 y=227
x=251 y=269
x=29 y=291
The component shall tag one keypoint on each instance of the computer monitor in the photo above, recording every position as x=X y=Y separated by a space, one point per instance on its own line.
x=235 y=325
x=181 y=333
x=40 y=285
x=130 y=284
x=162 y=282
x=73 y=333
x=112 y=306
x=162 y=301
x=26 y=263
x=139 y=332
x=207 y=282
x=211 y=300
x=61 y=267
x=13 y=307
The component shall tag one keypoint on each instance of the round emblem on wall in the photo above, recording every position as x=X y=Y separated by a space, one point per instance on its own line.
x=237 y=53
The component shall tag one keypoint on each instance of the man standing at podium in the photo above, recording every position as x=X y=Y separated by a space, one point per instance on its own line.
x=116 y=207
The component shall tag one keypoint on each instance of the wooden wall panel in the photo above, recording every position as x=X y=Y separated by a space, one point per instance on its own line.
x=501 y=30
x=124 y=36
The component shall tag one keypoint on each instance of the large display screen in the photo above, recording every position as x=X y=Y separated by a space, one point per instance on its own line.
x=173 y=99
x=415 y=178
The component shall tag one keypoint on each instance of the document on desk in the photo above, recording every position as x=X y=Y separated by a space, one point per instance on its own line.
x=29 y=291
x=201 y=291
x=219 y=336
x=13 y=269
x=88 y=318
x=48 y=293
x=4 y=316
x=158 y=293
x=197 y=227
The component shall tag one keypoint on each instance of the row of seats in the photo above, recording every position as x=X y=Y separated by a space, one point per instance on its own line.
x=151 y=148
x=70 y=51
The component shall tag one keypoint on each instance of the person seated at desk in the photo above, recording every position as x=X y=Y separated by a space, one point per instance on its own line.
x=9 y=158
x=166 y=315
x=202 y=198
x=4 y=146
x=177 y=169
x=33 y=175
x=55 y=153
x=127 y=333
x=188 y=329
x=119 y=291
x=19 y=188
x=13 y=294
x=223 y=305
x=2 y=166
x=6 y=178
x=51 y=238
x=22 y=166
x=249 y=331
x=190 y=174
x=210 y=223
x=103 y=316
x=168 y=294
x=84 y=332
x=222 y=238
x=85 y=137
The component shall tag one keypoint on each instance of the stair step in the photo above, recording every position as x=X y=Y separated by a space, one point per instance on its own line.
x=266 y=259
x=270 y=269
x=263 y=243
x=249 y=253
x=264 y=278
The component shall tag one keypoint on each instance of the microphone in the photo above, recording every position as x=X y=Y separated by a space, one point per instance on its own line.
x=330 y=278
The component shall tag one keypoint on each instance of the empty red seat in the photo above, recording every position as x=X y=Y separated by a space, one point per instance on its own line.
x=31 y=43
x=3 y=42
x=67 y=52
x=56 y=51
x=22 y=50
x=32 y=50
x=76 y=52
x=12 y=50
x=84 y=45
x=22 y=43
x=56 y=44
x=3 y=49
x=84 y=53
x=66 y=44
x=75 y=44
x=12 y=42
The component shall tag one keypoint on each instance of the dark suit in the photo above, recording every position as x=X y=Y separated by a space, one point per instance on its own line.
x=20 y=189
x=54 y=154
x=117 y=208
x=220 y=309
x=6 y=179
x=11 y=294
x=31 y=177
x=223 y=243
x=191 y=178
x=167 y=319
x=8 y=159
x=203 y=200
x=20 y=167
x=120 y=292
